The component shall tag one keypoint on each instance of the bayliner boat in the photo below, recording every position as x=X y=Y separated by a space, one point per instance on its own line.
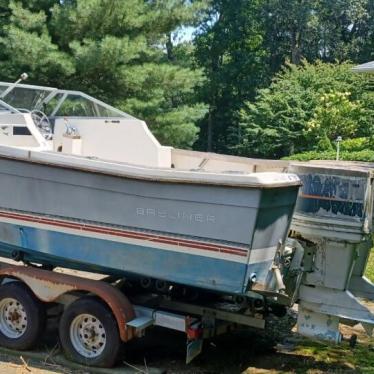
x=84 y=185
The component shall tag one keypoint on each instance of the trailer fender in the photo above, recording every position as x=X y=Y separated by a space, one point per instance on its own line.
x=49 y=285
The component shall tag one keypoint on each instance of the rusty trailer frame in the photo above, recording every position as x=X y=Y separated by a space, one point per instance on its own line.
x=196 y=321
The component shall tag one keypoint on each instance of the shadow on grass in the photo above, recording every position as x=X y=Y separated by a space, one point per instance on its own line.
x=248 y=351
x=241 y=351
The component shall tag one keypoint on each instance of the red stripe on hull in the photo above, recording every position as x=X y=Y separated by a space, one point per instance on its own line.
x=126 y=234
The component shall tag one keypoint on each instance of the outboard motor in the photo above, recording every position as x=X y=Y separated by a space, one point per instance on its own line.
x=334 y=219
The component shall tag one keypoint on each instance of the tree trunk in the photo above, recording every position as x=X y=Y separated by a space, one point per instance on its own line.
x=295 y=47
x=210 y=131
x=169 y=48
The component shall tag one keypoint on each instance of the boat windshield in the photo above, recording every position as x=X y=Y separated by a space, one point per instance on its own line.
x=54 y=102
x=25 y=99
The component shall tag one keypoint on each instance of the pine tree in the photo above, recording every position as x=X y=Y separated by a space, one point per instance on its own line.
x=114 y=50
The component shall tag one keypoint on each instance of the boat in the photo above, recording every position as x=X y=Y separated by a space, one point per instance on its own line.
x=87 y=186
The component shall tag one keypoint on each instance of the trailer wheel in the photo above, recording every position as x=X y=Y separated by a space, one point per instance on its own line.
x=22 y=316
x=89 y=333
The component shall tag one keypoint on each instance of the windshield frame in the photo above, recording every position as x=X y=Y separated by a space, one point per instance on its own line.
x=65 y=95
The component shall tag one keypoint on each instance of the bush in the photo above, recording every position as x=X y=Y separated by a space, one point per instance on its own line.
x=312 y=155
x=357 y=144
x=335 y=115
x=323 y=96
x=365 y=155
x=324 y=144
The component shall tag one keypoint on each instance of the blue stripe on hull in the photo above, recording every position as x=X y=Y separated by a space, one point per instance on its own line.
x=111 y=257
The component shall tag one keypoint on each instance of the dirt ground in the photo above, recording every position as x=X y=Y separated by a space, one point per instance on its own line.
x=243 y=351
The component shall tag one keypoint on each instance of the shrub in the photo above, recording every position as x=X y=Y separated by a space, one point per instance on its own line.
x=365 y=155
x=301 y=104
x=335 y=115
x=324 y=144
x=357 y=144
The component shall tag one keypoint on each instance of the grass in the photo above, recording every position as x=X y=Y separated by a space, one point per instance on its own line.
x=370 y=266
x=337 y=358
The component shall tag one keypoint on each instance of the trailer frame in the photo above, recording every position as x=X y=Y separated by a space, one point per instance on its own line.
x=133 y=318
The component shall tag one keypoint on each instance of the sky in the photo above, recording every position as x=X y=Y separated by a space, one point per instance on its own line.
x=185 y=34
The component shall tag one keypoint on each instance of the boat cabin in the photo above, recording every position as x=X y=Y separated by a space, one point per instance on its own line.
x=75 y=123
x=71 y=122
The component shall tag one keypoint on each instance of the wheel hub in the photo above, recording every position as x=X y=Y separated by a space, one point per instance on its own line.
x=13 y=318
x=88 y=336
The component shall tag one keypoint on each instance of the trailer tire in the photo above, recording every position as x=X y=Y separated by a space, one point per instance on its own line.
x=89 y=333
x=22 y=316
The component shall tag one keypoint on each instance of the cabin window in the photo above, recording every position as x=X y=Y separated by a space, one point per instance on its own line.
x=21 y=130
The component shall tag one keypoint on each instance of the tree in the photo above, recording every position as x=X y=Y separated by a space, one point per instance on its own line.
x=328 y=30
x=345 y=30
x=277 y=123
x=288 y=30
x=26 y=45
x=229 y=49
x=114 y=50
x=242 y=44
x=130 y=54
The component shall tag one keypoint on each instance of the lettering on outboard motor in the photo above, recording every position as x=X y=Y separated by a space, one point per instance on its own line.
x=331 y=195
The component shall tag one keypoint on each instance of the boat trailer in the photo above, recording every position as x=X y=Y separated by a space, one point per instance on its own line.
x=198 y=322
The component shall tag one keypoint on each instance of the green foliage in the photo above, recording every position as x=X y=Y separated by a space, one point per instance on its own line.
x=335 y=115
x=312 y=29
x=160 y=94
x=229 y=49
x=357 y=144
x=230 y=82
x=277 y=124
x=370 y=266
x=25 y=45
x=367 y=155
x=357 y=149
x=324 y=144
x=119 y=51
x=242 y=44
